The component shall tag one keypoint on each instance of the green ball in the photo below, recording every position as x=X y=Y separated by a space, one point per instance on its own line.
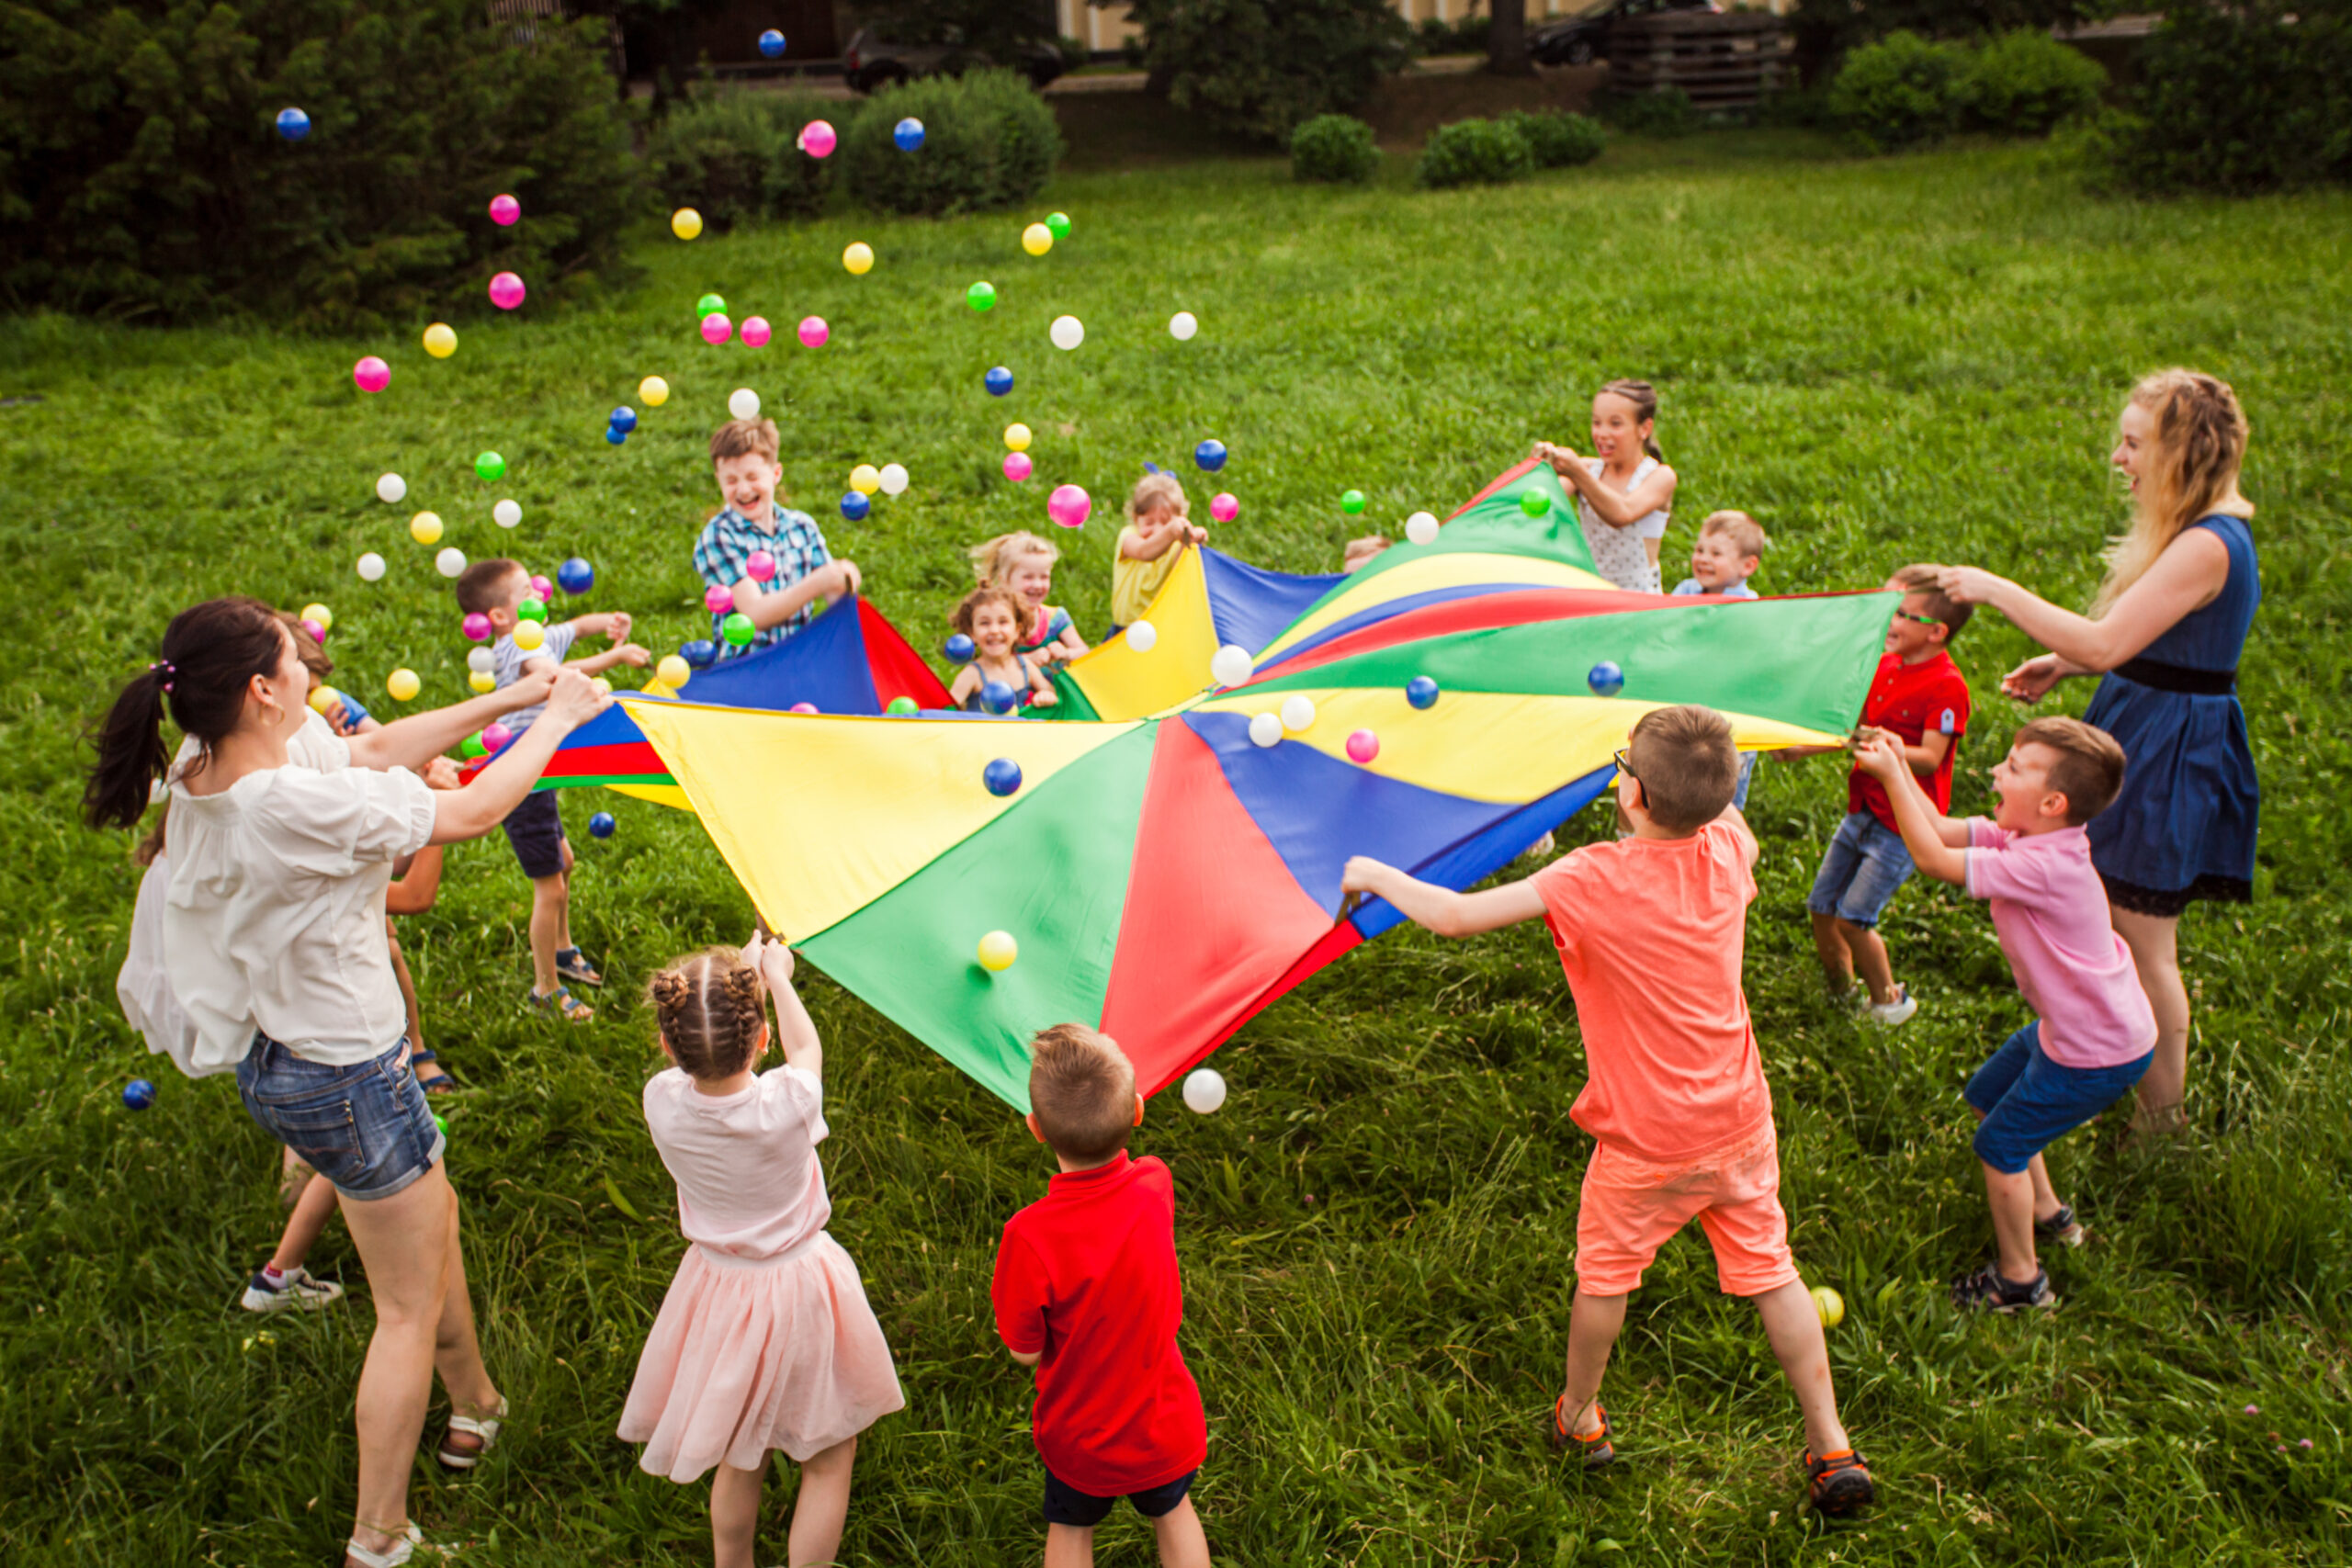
x=708 y=305
x=530 y=609
x=489 y=466
x=442 y=1123
x=1535 y=503
x=981 y=296
x=1351 y=503
x=737 y=628
x=1058 y=225
x=471 y=747
x=901 y=705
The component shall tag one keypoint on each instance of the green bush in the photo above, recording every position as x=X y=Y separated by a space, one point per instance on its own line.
x=1465 y=36
x=2025 y=83
x=140 y=174
x=1260 y=68
x=1474 y=151
x=2241 y=99
x=1556 y=140
x=736 y=157
x=988 y=140
x=1899 y=92
x=1334 y=147
x=1666 y=112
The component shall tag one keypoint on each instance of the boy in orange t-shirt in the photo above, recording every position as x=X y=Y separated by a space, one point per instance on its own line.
x=1651 y=931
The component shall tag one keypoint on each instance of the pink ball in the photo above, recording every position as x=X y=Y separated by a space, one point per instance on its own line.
x=716 y=329
x=1362 y=746
x=816 y=139
x=318 y=633
x=495 y=736
x=805 y=708
x=541 y=589
x=718 y=600
x=477 y=627
x=755 y=332
x=371 y=375
x=813 y=331
x=1017 y=467
x=506 y=291
x=760 y=566
x=1069 y=507
x=504 y=210
x=1223 y=507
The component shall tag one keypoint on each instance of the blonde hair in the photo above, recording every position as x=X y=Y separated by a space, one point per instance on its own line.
x=1644 y=397
x=1158 y=489
x=992 y=560
x=744 y=438
x=711 y=1008
x=1746 y=534
x=1684 y=760
x=2200 y=442
x=1082 y=1092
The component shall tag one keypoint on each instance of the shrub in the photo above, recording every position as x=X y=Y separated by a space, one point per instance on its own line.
x=1258 y=68
x=1334 y=147
x=1556 y=140
x=140 y=174
x=1474 y=151
x=735 y=157
x=2025 y=83
x=1467 y=35
x=1900 y=91
x=1666 y=112
x=2239 y=99
x=988 y=140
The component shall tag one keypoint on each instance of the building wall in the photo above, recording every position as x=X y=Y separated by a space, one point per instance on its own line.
x=1107 y=26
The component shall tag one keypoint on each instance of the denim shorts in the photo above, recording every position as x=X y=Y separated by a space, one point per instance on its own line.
x=535 y=829
x=2031 y=1102
x=1747 y=777
x=1865 y=864
x=1066 y=1505
x=366 y=1127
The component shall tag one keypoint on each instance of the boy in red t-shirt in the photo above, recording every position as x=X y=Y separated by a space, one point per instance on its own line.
x=1087 y=1292
x=1920 y=698
x=1652 y=930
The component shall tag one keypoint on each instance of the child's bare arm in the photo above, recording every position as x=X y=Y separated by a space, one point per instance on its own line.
x=967 y=682
x=602 y=623
x=834 y=580
x=1738 y=820
x=1041 y=688
x=1143 y=545
x=796 y=1031
x=1937 y=844
x=627 y=653
x=1441 y=910
x=1069 y=645
x=1925 y=757
x=1029 y=1359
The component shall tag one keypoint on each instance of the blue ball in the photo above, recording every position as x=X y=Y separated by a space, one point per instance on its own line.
x=907 y=134
x=602 y=825
x=138 y=1094
x=699 y=654
x=1000 y=381
x=961 y=650
x=576 y=576
x=772 y=43
x=1606 y=679
x=624 y=419
x=1421 y=692
x=854 y=506
x=1003 y=776
x=998 y=697
x=293 y=125
x=616 y=435
x=1209 y=454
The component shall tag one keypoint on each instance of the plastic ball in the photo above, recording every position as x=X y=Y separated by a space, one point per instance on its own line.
x=685 y=223
x=999 y=381
x=1230 y=666
x=1003 y=776
x=615 y=436
x=756 y=332
x=293 y=124
x=717 y=329
x=440 y=340
x=1420 y=528
x=743 y=404
x=1606 y=677
x=803 y=707
x=371 y=567
x=482 y=680
x=1183 y=325
x=481 y=660
x=960 y=650
x=759 y=566
x=323 y=698
x=450 y=561
x=902 y=706
x=996 y=952
x=998 y=697
x=441 y=1125
x=709 y=304
x=1265 y=728
x=1352 y=501
x=1203 y=1091
x=494 y=737
x=718 y=599
x=1018 y=467
x=1142 y=636
x=894 y=479
x=507 y=513
x=576 y=576
x=1067 y=331
x=139 y=1093
x=1535 y=503
x=857 y=258
x=489 y=466
x=980 y=297
x=1016 y=437
x=315 y=611
x=1362 y=747
x=699 y=654
x=737 y=629
x=813 y=331
x=476 y=626
x=1036 y=239
x=1830 y=1306
x=1058 y=225
x=404 y=684
x=426 y=527
x=390 y=489
x=817 y=139
x=1210 y=456
x=506 y=291
x=654 y=391
x=854 y=506
x=1298 y=713
x=772 y=44
x=1070 y=506
x=471 y=747
x=529 y=636
x=602 y=825
x=541 y=589
x=1421 y=692
x=314 y=631
x=866 y=478
x=906 y=134
x=504 y=210
x=1224 y=506
x=371 y=375
x=672 y=671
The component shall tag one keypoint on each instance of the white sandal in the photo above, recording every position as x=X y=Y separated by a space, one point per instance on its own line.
x=403 y=1547
x=486 y=1428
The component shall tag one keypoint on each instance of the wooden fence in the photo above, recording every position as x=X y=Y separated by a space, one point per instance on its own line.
x=1722 y=61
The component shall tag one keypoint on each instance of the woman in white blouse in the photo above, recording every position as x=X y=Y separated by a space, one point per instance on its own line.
x=274 y=942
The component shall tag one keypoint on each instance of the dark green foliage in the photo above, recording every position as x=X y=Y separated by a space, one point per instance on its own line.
x=2241 y=99
x=1465 y=34
x=1900 y=91
x=1826 y=30
x=1258 y=68
x=1334 y=147
x=1666 y=112
x=140 y=174
x=2026 y=83
x=735 y=157
x=990 y=141
x=1473 y=152
x=1557 y=139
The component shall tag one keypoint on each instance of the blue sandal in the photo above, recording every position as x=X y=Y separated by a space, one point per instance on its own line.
x=573 y=965
x=562 y=1002
x=440 y=1082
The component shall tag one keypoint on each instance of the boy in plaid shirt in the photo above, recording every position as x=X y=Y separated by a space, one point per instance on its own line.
x=743 y=457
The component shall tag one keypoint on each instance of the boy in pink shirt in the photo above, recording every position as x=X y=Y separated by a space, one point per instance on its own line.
x=2093 y=1034
x=1652 y=929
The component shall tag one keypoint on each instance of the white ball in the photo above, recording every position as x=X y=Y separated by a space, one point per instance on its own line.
x=743 y=404
x=1203 y=1091
x=1231 y=665
x=1265 y=728
x=894 y=479
x=451 y=562
x=506 y=514
x=1141 y=636
x=371 y=567
x=1181 y=326
x=481 y=660
x=1420 y=528
x=391 y=486
x=1298 y=713
x=1068 y=332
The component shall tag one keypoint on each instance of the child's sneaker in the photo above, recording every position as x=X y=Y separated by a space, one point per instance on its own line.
x=1595 y=1448
x=1988 y=1291
x=2062 y=1227
x=1839 y=1483
x=1896 y=1011
x=294 y=1288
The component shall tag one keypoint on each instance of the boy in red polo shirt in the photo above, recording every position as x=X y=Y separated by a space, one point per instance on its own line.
x=1087 y=1292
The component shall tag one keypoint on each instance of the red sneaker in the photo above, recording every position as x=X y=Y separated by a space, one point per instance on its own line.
x=1596 y=1446
x=1840 y=1483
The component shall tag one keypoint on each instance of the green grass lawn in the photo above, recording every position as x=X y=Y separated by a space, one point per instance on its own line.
x=1885 y=361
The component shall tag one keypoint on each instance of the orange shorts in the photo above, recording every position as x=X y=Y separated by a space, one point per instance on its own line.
x=1632 y=1206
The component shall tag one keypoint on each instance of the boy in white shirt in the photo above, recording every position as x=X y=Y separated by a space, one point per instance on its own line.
x=1729 y=550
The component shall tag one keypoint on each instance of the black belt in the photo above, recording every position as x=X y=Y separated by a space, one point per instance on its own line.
x=2179 y=678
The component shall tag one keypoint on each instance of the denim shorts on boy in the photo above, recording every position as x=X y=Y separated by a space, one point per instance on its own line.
x=535 y=829
x=1860 y=872
x=366 y=1127
x=1066 y=1505
x=2031 y=1102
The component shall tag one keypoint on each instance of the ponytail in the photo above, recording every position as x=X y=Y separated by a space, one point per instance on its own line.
x=210 y=653
x=131 y=754
x=1644 y=397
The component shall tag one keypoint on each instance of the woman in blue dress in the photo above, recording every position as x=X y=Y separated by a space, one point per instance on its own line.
x=2164 y=635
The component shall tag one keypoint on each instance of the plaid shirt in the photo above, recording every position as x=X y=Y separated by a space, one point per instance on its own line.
x=723 y=555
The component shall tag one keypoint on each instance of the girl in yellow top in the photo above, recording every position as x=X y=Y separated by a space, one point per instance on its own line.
x=1150 y=545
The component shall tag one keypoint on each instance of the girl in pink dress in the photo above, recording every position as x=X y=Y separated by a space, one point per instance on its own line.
x=765 y=1341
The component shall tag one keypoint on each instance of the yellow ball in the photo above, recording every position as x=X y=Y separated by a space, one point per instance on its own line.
x=685 y=223
x=858 y=258
x=482 y=680
x=426 y=527
x=1016 y=437
x=866 y=478
x=1830 y=1306
x=317 y=612
x=324 y=698
x=604 y=687
x=654 y=391
x=1036 y=239
x=529 y=635
x=404 y=684
x=672 y=672
x=998 y=950
x=440 y=342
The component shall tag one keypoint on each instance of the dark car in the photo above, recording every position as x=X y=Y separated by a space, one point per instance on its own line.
x=1578 y=40
x=870 y=61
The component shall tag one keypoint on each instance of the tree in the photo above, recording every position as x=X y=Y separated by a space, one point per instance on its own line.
x=1506 y=39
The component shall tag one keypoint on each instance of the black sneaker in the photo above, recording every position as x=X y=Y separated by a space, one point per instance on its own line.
x=1839 y=1483
x=2060 y=1227
x=1988 y=1291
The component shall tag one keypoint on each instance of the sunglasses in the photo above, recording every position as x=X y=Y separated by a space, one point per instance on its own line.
x=1917 y=620
x=1624 y=763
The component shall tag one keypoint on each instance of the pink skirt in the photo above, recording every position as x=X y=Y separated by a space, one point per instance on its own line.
x=747 y=1357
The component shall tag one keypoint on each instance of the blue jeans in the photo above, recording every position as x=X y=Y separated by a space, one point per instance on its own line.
x=1865 y=864
x=2031 y=1102
x=366 y=1127
x=1747 y=774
